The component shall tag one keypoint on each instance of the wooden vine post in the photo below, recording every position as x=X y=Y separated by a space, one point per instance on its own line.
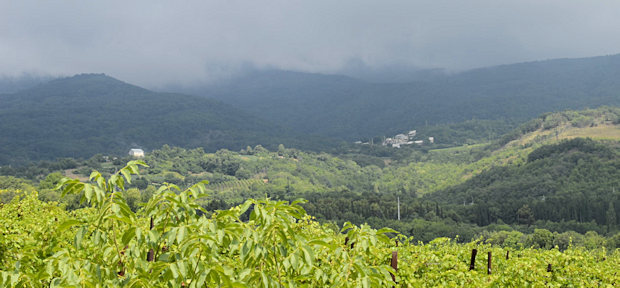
x=472 y=263
x=346 y=240
x=151 y=254
x=394 y=265
x=489 y=264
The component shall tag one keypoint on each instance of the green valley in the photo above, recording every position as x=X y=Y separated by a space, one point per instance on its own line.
x=171 y=242
x=457 y=191
x=187 y=217
x=302 y=144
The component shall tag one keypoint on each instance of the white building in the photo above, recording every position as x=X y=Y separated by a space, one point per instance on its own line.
x=431 y=139
x=401 y=137
x=387 y=141
x=138 y=153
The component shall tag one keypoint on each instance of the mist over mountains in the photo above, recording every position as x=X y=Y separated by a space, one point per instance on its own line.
x=12 y=84
x=88 y=114
x=93 y=113
x=312 y=143
x=349 y=108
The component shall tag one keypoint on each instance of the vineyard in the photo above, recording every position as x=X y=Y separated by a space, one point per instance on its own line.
x=170 y=242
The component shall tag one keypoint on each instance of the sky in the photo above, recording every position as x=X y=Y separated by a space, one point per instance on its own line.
x=156 y=43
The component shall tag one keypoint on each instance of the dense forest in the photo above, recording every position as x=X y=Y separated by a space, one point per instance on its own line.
x=537 y=176
x=344 y=107
x=573 y=180
x=92 y=113
x=87 y=114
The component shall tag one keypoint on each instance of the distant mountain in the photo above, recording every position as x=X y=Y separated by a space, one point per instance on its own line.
x=393 y=73
x=348 y=108
x=93 y=113
x=12 y=84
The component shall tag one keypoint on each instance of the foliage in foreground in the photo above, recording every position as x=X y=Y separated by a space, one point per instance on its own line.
x=171 y=243
x=262 y=243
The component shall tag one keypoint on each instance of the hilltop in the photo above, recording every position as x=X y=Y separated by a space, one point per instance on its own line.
x=88 y=114
x=93 y=113
x=554 y=173
x=349 y=108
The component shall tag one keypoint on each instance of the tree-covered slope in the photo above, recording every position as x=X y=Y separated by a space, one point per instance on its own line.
x=88 y=114
x=442 y=192
x=564 y=166
x=173 y=242
x=573 y=180
x=347 y=108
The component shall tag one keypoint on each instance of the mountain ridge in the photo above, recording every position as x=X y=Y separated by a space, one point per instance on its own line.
x=87 y=114
x=349 y=108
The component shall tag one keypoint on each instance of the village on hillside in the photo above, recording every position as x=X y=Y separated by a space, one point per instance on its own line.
x=402 y=139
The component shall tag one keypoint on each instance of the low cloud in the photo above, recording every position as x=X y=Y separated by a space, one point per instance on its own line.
x=155 y=43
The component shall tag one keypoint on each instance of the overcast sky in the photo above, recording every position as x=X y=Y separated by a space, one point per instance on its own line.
x=153 y=43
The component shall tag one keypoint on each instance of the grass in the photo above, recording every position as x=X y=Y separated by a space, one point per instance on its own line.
x=602 y=132
x=513 y=153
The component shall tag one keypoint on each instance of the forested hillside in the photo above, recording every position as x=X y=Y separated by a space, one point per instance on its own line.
x=563 y=184
x=574 y=180
x=543 y=195
x=563 y=178
x=88 y=114
x=351 y=109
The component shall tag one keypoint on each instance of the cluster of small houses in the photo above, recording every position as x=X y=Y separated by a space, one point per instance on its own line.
x=402 y=139
x=395 y=142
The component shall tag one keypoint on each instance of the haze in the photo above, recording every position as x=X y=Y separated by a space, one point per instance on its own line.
x=157 y=43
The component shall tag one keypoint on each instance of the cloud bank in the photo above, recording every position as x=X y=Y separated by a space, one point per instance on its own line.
x=154 y=43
